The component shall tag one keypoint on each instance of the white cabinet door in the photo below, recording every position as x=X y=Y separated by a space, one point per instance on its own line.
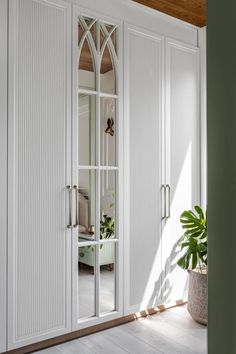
x=97 y=293
x=144 y=80
x=39 y=169
x=3 y=174
x=182 y=131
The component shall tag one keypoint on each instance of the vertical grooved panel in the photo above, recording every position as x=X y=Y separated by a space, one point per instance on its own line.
x=3 y=173
x=145 y=106
x=182 y=156
x=38 y=169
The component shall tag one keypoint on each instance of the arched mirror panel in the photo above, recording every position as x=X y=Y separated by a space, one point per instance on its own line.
x=98 y=171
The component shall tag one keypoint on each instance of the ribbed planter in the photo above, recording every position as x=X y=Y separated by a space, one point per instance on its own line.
x=197 y=296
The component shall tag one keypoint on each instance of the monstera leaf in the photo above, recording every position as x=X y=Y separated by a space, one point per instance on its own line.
x=194 y=240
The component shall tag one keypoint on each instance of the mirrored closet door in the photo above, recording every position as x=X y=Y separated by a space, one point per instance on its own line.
x=96 y=238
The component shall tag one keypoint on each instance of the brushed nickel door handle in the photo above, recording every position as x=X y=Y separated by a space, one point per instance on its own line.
x=69 y=198
x=163 y=189
x=75 y=188
x=168 y=204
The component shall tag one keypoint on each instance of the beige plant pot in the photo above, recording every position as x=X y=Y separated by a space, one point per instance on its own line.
x=197 y=296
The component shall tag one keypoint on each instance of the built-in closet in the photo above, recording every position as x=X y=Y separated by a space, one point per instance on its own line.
x=99 y=106
x=162 y=127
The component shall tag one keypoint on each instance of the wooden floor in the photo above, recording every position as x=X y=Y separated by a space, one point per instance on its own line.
x=169 y=332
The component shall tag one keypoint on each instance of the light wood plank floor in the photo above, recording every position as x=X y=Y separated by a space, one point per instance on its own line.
x=169 y=332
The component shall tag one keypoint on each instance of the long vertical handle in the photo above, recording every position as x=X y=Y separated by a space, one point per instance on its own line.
x=168 y=204
x=75 y=188
x=69 y=195
x=163 y=189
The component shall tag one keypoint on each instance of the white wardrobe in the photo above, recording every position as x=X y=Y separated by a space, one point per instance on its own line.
x=100 y=130
x=162 y=131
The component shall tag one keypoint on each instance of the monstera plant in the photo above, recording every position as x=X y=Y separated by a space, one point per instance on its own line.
x=194 y=240
x=193 y=245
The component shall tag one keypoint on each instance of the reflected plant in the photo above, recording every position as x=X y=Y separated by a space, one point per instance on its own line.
x=107 y=224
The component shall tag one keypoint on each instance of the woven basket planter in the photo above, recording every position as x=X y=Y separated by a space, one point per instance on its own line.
x=197 y=296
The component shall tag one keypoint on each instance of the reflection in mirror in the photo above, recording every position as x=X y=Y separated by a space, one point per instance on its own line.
x=86 y=283
x=80 y=32
x=93 y=31
x=102 y=38
x=108 y=204
x=87 y=129
x=107 y=73
x=107 y=277
x=87 y=205
x=113 y=34
x=88 y=20
x=86 y=67
x=114 y=40
x=108 y=131
x=109 y=27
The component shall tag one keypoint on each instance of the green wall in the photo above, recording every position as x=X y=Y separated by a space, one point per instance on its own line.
x=221 y=100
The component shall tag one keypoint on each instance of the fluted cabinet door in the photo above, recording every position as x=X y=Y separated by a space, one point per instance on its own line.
x=182 y=157
x=39 y=170
x=3 y=174
x=144 y=80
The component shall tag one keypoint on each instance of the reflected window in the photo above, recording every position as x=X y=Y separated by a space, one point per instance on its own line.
x=87 y=129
